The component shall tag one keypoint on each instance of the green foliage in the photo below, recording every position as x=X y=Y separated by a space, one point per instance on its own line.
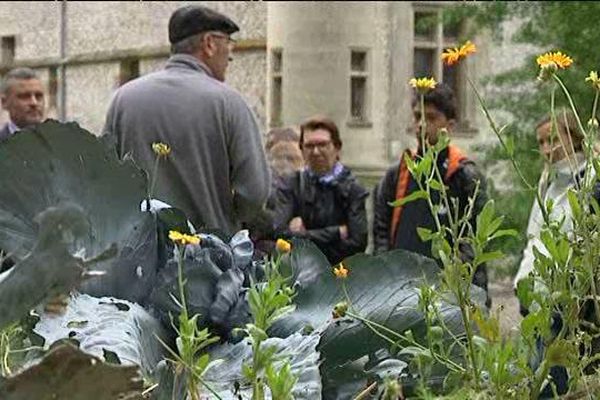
x=269 y=301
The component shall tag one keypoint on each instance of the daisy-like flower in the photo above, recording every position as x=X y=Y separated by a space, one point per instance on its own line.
x=161 y=149
x=554 y=61
x=341 y=271
x=452 y=56
x=283 y=246
x=423 y=85
x=593 y=79
x=183 y=239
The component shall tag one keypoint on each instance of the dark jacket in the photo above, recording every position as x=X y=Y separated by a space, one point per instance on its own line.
x=324 y=207
x=461 y=185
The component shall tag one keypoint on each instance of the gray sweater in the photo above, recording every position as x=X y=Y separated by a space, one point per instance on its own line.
x=217 y=172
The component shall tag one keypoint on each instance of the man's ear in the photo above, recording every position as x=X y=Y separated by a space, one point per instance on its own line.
x=3 y=101
x=209 y=46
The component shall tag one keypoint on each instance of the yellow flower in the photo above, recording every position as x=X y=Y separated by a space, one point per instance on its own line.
x=341 y=271
x=283 y=246
x=554 y=61
x=161 y=149
x=183 y=239
x=593 y=80
x=423 y=85
x=452 y=56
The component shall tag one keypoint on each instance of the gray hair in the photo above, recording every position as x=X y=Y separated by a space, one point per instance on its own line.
x=189 y=45
x=17 y=74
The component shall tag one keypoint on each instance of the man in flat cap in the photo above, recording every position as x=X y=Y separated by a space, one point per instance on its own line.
x=216 y=172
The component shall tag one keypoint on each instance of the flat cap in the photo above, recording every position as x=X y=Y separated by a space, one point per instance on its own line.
x=190 y=20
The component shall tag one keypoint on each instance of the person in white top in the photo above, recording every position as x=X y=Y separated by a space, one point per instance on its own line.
x=564 y=169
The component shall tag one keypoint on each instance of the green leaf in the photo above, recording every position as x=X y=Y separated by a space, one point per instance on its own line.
x=574 y=203
x=304 y=366
x=487 y=257
x=562 y=352
x=419 y=194
x=393 y=304
x=127 y=336
x=435 y=185
x=424 y=234
x=53 y=164
x=504 y=232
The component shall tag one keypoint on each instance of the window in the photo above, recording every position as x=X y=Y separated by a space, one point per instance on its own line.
x=8 y=44
x=432 y=35
x=359 y=74
x=129 y=70
x=276 y=87
x=53 y=88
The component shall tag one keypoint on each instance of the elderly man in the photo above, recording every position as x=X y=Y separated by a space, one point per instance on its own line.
x=22 y=96
x=216 y=172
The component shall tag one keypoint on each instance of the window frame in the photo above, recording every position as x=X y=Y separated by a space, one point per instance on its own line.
x=439 y=43
x=353 y=74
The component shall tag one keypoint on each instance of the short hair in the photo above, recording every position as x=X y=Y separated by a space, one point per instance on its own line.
x=20 y=74
x=442 y=98
x=321 y=122
x=285 y=157
x=566 y=119
x=277 y=135
x=189 y=45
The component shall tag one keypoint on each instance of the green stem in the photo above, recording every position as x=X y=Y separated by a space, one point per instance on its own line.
x=370 y=324
x=469 y=334
x=512 y=158
x=180 y=281
x=153 y=182
x=539 y=380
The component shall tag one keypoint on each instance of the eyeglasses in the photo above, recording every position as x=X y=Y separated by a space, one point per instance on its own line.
x=223 y=36
x=318 y=145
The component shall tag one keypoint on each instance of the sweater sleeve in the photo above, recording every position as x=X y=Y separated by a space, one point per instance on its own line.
x=249 y=172
x=384 y=192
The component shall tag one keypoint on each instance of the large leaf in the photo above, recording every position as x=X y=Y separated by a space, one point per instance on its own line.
x=49 y=269
x=108 y=328
x=54 y=163
x=382 y=289
x=225 y=371
x=68 y=373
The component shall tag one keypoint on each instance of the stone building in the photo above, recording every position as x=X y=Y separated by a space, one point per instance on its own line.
x=350 y=60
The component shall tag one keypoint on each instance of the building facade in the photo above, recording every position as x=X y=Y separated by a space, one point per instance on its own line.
x=349 y=60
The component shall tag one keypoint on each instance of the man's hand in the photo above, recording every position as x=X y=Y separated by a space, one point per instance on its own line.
x=343 y=232
x=297 y=225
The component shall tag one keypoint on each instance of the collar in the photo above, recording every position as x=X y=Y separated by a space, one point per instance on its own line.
x=328 y=177
x=12 y=127
x=188 y=61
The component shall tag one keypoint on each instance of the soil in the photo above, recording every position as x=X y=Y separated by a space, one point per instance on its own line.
x=503 y=297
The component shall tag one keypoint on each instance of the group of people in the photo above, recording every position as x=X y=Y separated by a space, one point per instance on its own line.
x=220 y=175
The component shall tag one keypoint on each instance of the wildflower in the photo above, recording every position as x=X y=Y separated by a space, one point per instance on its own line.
x=593 y=79
x=423 y=85
x=183 y=239
x=339 y=310
x=161 y=149
x=341 y=271
x=452 y=56
x=283 y=246
x=554 y=61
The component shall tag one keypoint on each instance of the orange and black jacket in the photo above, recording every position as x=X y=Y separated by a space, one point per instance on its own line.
x=396 y=227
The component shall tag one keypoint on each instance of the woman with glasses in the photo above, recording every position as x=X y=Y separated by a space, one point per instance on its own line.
x=323 y=202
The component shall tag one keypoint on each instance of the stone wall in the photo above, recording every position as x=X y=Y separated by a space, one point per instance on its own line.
x=106 y=32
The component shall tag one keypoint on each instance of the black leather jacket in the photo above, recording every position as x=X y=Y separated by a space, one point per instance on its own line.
x=324 y=207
